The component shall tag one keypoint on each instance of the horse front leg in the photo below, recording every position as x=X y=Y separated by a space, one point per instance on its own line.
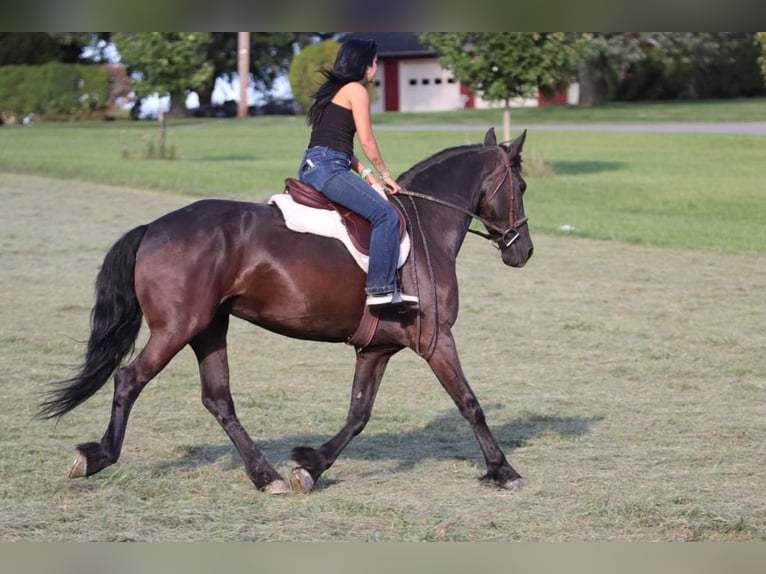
x=370 y=366
x=446 y=366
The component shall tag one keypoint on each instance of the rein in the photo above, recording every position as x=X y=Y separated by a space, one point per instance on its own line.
x=507 y=236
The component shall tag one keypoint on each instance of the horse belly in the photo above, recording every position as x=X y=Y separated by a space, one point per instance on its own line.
x=307 y=288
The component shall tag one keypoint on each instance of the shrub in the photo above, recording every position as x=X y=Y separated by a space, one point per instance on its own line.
x=53 y=91
x=304 y=73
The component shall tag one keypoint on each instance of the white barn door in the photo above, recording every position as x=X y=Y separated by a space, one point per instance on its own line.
x=425 y=86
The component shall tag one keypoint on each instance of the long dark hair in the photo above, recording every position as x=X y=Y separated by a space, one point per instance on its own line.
x=352 y=61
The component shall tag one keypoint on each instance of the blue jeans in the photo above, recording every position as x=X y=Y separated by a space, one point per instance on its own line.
x=329 y=171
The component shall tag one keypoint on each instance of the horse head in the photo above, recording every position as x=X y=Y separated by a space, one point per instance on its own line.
x=502 y=201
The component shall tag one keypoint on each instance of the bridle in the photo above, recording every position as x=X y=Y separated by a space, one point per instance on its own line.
x=508 y=235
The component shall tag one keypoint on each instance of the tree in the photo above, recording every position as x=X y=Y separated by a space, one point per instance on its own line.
x=35 y=48
x=166 y=63
x=304 y=71
x=760 y=40
x=667 y=65
x=606 y=56
x=270 y=56
x=504 y=65
x=710 y=64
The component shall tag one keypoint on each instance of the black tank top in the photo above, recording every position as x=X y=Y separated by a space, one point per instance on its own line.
x=334 y=129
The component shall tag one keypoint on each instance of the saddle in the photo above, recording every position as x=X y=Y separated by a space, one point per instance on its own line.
x=357 y=226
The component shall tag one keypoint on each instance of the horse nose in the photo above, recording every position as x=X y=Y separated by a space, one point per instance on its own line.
x=530 y=252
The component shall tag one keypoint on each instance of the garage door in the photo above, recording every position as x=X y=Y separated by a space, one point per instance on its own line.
x=425 y=86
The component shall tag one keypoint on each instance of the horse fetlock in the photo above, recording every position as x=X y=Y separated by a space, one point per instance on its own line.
x=90 y=458
x=301 y=480
x=310 y=459
x=505 y=477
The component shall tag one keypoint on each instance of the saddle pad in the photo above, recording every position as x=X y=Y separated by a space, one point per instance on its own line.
x=358 y=227
x=327 y=223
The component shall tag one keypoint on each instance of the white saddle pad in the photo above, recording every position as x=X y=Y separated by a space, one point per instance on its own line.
x=327 y=223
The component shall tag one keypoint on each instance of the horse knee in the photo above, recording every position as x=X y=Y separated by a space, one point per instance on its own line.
x=211 y=403
x=222 y=408
x=472 y=412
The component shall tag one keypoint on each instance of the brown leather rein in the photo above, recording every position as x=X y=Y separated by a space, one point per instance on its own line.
x=507 y=236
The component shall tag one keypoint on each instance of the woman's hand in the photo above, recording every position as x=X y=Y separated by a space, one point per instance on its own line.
x=391 y=184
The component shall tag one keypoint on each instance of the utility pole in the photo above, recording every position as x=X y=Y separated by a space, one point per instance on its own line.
x=243 y=69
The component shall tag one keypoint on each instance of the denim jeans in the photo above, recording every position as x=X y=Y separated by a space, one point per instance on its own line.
x=329 y=171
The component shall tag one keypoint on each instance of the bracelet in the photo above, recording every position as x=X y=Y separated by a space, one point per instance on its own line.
x=385 y=173
x=365 y=172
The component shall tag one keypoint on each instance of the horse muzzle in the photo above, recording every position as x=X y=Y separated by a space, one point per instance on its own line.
x=518 y=250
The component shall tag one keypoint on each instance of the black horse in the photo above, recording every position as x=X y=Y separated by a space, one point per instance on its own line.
x=187 y=272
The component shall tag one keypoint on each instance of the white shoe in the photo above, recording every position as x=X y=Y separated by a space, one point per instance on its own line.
x=395 y=298
x=380 y=299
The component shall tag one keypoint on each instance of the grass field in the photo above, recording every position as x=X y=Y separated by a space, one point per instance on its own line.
x=692 y=190
x=622 y=372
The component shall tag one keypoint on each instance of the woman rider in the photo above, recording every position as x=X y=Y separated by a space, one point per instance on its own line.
x=341 y=108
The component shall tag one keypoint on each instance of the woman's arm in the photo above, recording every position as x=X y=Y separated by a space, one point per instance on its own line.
x=359 y=100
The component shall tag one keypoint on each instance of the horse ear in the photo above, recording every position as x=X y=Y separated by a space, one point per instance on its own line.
x=517 y=144
x=489 y=137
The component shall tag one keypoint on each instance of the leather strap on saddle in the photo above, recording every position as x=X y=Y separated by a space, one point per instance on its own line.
x=366 y=329
x=357 y=226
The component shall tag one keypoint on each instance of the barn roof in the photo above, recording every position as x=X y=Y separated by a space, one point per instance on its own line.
x=394 y=43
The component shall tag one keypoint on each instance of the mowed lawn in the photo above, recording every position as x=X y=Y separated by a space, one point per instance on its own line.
x=622 y=370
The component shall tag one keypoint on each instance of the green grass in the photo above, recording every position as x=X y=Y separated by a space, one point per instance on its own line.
x=670 y=189
x=621 y=370
x=693 y=190
x=625 y=382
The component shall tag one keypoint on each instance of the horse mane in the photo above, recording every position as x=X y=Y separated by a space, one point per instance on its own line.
x=436 y=159
x=440 y=157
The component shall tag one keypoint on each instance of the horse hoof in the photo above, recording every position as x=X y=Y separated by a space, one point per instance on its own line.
x=515 y=484
x=300 y=480
x=276 y=487
x=79 y=466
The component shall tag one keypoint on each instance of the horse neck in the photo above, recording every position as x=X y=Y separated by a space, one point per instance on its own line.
x=457 y=179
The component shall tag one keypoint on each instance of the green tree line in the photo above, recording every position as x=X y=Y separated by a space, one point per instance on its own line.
x=608 y=66
x=496 y=65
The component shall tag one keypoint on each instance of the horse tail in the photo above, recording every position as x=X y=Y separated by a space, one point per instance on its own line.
x=115 y=321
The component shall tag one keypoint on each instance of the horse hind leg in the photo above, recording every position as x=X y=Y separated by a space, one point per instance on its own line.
x=210 y=349
x=129 y=381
